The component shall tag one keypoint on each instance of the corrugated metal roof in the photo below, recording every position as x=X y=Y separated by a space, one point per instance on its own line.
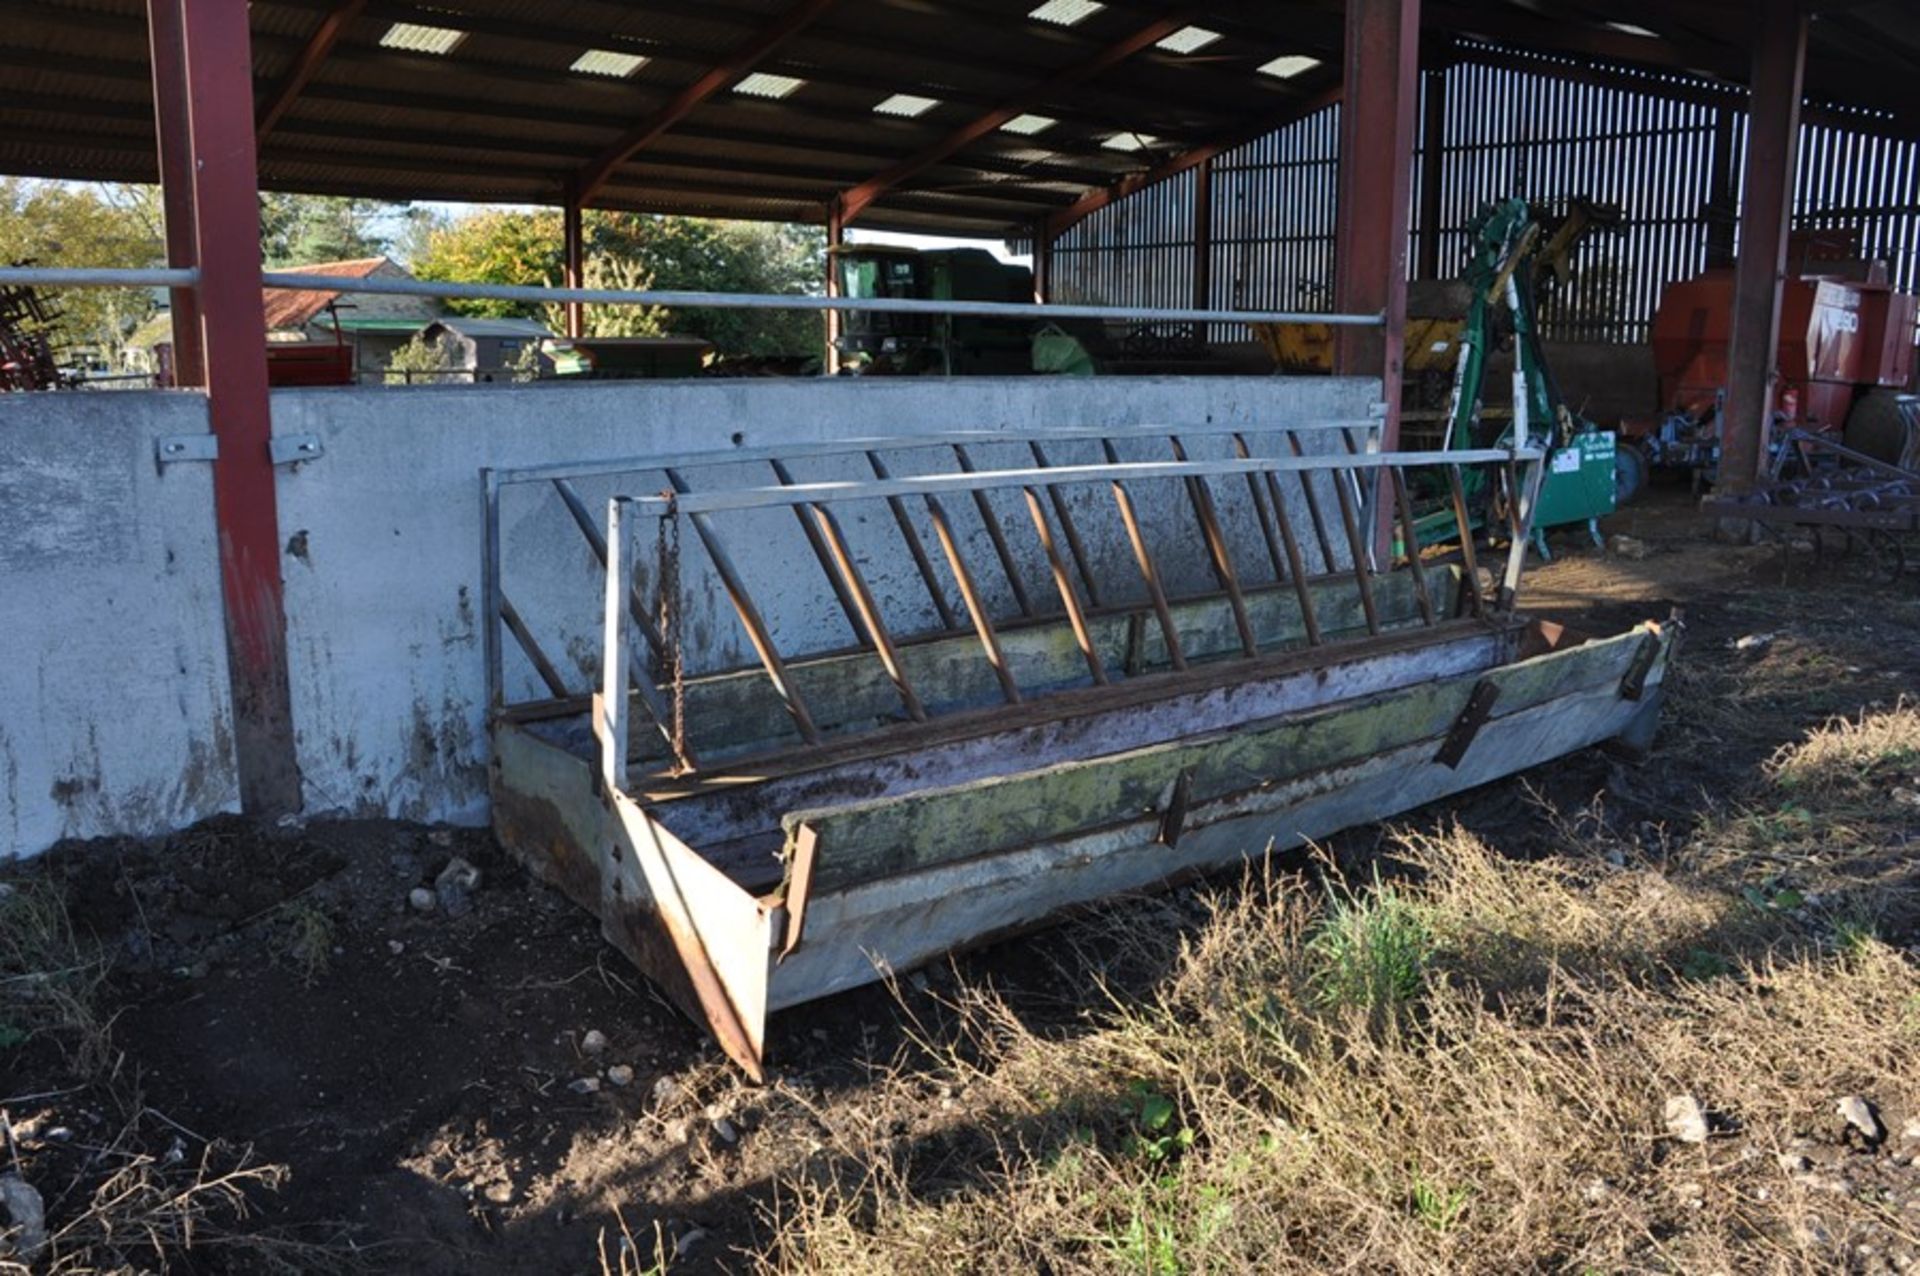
x=505 y=117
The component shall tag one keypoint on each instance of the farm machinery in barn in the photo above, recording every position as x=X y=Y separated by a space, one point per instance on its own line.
x=1844 y=361
x=886 y=344
x=1521 y=252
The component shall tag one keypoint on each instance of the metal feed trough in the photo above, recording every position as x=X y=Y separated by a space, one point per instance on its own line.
x=788 y=719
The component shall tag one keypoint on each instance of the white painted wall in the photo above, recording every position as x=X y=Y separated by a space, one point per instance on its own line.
x=114 y=715
x=383 y=597
x=113 y=672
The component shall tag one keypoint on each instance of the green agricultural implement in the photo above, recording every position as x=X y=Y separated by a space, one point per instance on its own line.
x=1578 y=485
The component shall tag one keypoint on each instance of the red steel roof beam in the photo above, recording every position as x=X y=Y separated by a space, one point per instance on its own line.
x=306 y=66
x=736 y=67
x=858 y=199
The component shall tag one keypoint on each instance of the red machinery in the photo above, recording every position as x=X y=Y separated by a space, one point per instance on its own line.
x=1844 y=333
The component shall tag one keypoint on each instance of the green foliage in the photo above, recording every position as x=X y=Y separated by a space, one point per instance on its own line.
x=1438 y=1207
x=615 y=273
x=421 y=362
x=68 y=224
x=1155 y=1137
x=300 y=230
x=675 y=253
x=1370 y=953
x=310 y=941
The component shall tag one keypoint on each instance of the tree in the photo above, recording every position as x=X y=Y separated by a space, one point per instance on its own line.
x=422 y=362
x=67 y=224
x=615 y=274
x=299 y=230
x=677 y=253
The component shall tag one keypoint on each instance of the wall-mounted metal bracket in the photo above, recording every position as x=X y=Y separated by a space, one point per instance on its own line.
x=290 y=449
x=169 y=448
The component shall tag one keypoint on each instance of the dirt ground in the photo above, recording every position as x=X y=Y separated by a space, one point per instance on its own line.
x=428 y=1079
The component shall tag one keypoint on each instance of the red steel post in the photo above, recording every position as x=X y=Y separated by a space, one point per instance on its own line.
x=1779 y=66
x=836 y=236
x=1382 y=69
x=1042 y=262
x=169 y=55
x=219 y=66
x=574 y=221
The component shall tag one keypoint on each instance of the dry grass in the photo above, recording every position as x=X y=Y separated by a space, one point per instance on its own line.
x=1461 y=1074
x=50 y=979
x=152 y=1197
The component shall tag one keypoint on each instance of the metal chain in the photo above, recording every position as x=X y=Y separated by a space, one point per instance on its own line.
x=667 y=621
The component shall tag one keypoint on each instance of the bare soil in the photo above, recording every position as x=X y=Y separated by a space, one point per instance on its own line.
x=425 y=1077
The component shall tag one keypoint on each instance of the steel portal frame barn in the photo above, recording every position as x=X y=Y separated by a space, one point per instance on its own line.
x=767 y=108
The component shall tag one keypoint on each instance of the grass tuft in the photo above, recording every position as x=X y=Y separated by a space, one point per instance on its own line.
x=50 y=979
x=1369 y=954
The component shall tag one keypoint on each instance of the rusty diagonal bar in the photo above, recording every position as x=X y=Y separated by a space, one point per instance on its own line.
x=869 y=611
x=1151 y=574
x=1064 y=584
x=1297 y=568
x=538 y=658
x=1362 y=573
x=1469 y=557
x=915 y=546
x=757 y=633
x=784 y=477
x=1410 y=538
x=970 y=592
x=1199 y=515
x=1260 y=508
x=1313 y=508
x=598 y=544
x=643 y=684
x=1064 y=513
x=1202 y=497
x=995 y=535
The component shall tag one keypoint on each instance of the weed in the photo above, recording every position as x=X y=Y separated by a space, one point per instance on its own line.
x=309 y=941
x=626 y=1260
x=50 y=980
x=1370 y=954
x=1438 y=1207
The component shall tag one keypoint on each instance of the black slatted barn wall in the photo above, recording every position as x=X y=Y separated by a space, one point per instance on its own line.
x=1666 y=151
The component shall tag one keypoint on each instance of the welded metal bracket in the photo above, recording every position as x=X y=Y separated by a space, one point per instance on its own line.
x=169 y=448
x=1173 y=815
x=1633 y=684
x=805 y=852
x=290 y=449
x=1465 y=727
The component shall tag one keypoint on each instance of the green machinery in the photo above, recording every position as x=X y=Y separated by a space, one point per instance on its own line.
x=919 y=344
x=979 y=345
x=1579 y=481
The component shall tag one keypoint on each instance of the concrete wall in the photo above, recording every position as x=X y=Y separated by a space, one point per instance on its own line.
x=114 y=713
x=384 y=581
x=113 y=671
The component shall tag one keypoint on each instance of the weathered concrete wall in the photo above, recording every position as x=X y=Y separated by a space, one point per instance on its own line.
x=114 y=714
x=384 y=531
x=113 y=674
